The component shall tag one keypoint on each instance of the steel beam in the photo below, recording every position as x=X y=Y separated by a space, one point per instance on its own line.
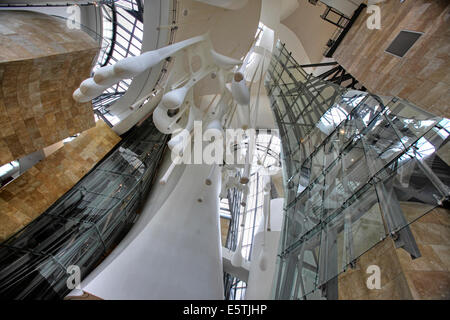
x=396 y=222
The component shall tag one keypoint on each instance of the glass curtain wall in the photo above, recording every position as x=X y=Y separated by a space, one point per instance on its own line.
x=123 y=33
x=353 y=164
x=85 y=224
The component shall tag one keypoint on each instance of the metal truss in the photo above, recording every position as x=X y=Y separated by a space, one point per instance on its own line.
x=337 y=75
x=343 y=26
x=330 y=13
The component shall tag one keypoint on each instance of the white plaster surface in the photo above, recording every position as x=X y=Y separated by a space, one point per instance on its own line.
x=174 y=255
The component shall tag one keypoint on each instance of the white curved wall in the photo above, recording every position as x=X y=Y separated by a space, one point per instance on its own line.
x=293 y=44
x=176 y=254
x=287 y=8
x=273 y=29
x=272 y=13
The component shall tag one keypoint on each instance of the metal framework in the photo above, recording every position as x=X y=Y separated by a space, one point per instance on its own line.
x=335 y=17
x=352 y=162
x=343 y=26
x=234 y=204
x=123 y=32
x=267 y=144
x=336 y=75
x=85 y=224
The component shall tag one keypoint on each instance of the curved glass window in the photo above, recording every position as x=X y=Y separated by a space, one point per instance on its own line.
x=123 y=31
x=85 y=224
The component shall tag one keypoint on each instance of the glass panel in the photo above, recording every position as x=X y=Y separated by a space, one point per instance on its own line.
x=411 y=121
x=414 y=190
x=298 y=74
x=335 y=193
x=108 y=184
x=317 y=163
x=309 y=262
x=366 y=111
x=347 y=132
x=356 y=172
x=352 y=232
x=306 y=221
x=83 y=224
x=381 y=144
x=315 y=200
x=123 y=162
x=366 y=223
x=304 y=176
x=332 y=149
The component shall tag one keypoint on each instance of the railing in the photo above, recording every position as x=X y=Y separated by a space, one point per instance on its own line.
x=342 y=20
x=341 y=32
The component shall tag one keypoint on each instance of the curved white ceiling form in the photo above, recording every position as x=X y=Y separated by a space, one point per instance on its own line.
x=287 y=8
x=231 y=33
x=226 y=4
x=288 y=37
x=272 y=13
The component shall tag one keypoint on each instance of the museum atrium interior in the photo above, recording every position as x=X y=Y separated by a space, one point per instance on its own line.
x=225 y=149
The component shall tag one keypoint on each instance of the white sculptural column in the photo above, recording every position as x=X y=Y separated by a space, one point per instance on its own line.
x=261 y=275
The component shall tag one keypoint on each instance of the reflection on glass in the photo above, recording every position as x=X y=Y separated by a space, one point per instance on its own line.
x=83 y=224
